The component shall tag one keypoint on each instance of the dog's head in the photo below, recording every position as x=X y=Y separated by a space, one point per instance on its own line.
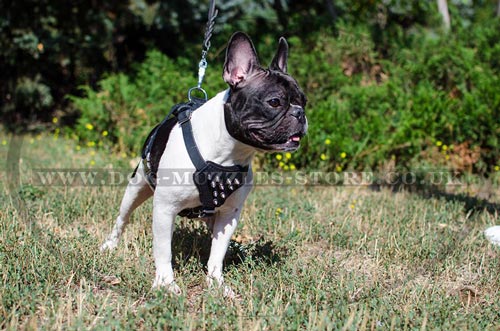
x=266 y=105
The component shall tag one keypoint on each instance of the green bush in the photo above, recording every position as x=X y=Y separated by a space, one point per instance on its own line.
x=434 y=101
x=366 y=110
x=126 y=108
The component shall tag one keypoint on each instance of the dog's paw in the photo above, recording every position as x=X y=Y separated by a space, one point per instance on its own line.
x=109 y=245
x=171 y=287
x=227 y=291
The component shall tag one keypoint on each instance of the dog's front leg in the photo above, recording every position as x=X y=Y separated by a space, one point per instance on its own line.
x=223 y=228
x=163 y=229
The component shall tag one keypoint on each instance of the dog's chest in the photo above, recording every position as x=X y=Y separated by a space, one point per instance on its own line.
x=221 y=175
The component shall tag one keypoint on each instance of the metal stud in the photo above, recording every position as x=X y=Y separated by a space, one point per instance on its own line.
x=215 y=194
x=213 y=184
x=231 y=187
x=236 y=182
x=216 y=202
x=221 y=186
x=209 y=176
x=222 y=195
x=217 y=178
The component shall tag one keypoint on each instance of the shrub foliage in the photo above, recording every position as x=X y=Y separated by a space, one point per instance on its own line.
x=386 y=85
x=433 y=99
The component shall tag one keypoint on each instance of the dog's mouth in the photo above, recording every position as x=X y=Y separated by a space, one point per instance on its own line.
x=289 y=145
x=293 y=141
x=295 y=138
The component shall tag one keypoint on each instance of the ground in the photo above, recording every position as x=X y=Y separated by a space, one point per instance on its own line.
x=312 y=258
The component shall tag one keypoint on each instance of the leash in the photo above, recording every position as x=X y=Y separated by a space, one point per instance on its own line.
x=202 y=66
x=188 y=107
x=215 y=183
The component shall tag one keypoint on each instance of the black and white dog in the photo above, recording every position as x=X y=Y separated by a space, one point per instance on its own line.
x=262 y=110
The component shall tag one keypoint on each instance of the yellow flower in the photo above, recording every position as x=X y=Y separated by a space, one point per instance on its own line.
x=55 y=120
x=279 y=157
x=89 y=126
x=444 y=148
x=323 y=156
x=281 y=164
x=78 y=147
x=497 y=168
x=279 y=211
x=92 y=153
x=292 y=167
x=32 y=141
x=286 y=168
x=439 y=143
x=91 y=144
x=351 y=206
x=343 y=155
x=338 y=168
x=4 y=142
x=328 y=141
x=447 y=157
x=105 y=133
x=92 y=162
x=123 y=155
x=288 y=155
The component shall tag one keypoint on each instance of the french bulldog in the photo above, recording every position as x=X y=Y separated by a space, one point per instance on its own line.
x=262 y=110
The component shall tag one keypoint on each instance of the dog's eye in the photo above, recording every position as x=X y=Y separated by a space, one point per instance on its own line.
x=274 y=102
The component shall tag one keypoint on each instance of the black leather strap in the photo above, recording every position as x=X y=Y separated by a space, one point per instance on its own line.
x=215 y=183
x=153 y=149
x=183 y=115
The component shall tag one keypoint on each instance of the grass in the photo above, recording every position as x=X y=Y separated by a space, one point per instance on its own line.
x=303 y=258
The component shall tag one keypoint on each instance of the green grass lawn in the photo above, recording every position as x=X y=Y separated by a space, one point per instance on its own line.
x=303 y=258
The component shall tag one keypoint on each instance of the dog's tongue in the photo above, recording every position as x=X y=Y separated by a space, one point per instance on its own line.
x=295 y=138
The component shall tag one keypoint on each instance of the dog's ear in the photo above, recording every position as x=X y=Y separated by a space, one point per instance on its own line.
x=280 y=60
x=241 y=59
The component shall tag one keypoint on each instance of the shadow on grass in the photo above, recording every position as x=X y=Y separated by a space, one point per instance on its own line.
x=192 y=240
x=420 y=187
x=471 y=204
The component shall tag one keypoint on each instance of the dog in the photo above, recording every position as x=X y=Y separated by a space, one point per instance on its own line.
x=263 y=109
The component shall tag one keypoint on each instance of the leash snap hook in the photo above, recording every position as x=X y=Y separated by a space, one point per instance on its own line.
x=202 y=66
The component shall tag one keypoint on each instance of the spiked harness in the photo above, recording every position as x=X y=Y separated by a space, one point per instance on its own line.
x=215 y=182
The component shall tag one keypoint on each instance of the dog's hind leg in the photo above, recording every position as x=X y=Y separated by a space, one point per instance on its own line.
x=137 y=192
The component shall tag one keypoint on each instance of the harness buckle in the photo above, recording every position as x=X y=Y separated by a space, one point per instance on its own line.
x=206 y=213
x=184 y=116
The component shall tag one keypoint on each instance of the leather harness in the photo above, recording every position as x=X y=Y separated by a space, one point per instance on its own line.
x=215 y=182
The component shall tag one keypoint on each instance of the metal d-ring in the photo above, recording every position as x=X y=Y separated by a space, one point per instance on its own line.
x=197 y=88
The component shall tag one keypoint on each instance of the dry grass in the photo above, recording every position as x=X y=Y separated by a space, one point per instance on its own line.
x=328 y=258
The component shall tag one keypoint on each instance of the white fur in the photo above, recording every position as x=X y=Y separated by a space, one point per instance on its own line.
x=493 y=234
x=215 y=144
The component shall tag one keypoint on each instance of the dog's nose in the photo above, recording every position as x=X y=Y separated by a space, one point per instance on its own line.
x=297 y=111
